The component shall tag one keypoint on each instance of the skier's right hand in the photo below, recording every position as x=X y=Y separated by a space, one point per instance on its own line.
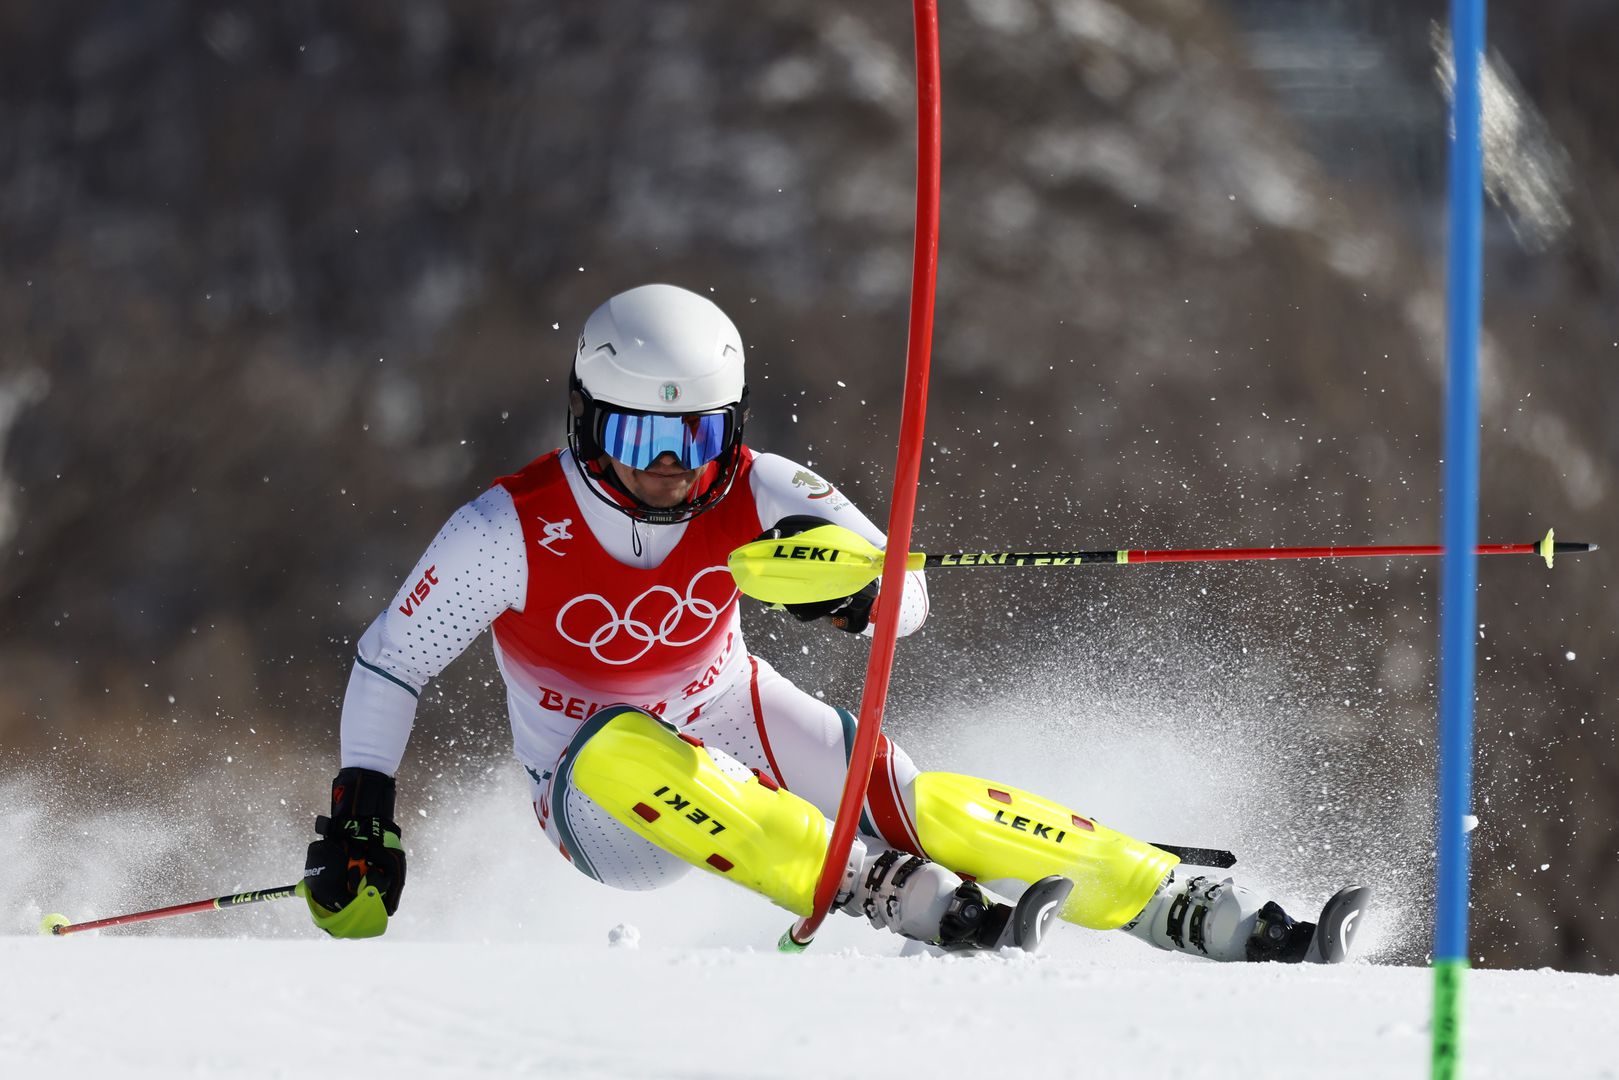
x=354 y=873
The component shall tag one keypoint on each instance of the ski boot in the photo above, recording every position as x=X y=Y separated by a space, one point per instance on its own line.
x=924 y=901
x=1328 y=940
x=1226 y=921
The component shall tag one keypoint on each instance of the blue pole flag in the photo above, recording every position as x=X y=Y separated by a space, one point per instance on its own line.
x=1458 y=608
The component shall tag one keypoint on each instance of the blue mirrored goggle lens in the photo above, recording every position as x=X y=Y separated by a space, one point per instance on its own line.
x=639 y=439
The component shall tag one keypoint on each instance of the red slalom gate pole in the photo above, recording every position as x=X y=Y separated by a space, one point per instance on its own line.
x=907 y=474
x=57 y=925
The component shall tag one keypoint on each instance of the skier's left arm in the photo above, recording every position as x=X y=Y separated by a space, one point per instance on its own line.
x=785 y=489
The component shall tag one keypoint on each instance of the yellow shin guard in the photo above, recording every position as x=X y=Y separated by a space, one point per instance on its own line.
x=992 y=831
x=711 y=813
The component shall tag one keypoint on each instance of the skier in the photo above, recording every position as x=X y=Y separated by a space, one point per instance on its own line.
x=654 y=741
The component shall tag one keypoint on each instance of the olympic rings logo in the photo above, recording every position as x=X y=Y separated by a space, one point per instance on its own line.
x=659 y=616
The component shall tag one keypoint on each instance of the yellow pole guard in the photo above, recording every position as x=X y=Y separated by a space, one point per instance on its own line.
x=991 y=831
x=668 y=790
x=823 y=563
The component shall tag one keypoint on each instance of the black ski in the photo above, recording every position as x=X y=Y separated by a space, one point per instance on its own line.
x=1200 y=856
x=1036 y=910
x=1340 y=920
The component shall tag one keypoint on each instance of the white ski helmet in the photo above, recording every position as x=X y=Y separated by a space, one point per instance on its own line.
x=658 y=369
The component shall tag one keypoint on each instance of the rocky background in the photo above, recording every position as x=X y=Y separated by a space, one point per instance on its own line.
x=282 y=285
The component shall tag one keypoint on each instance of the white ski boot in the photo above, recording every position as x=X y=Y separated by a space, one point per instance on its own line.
x=1226 y=921
x=924 y=901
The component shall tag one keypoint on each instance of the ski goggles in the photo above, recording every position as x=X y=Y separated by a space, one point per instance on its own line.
x=639 y=439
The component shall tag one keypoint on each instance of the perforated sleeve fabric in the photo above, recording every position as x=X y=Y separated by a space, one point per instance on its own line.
x=474 y=570
x=783 y=488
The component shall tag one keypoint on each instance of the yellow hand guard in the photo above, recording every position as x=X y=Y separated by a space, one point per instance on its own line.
x=991 y=831
x=667 y=788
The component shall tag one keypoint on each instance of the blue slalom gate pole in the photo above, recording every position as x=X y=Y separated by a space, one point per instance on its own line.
x=1457 y=600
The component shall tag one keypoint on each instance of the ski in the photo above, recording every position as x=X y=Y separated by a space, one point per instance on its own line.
x=1335 y=930
x=1200 y=856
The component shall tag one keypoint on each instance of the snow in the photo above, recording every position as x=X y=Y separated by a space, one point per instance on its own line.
x=1096 y=1006
x=505 y=961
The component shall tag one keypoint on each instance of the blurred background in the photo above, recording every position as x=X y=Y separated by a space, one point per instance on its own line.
x=283 y=285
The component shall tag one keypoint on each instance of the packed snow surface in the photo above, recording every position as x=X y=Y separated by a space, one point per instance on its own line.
x=1095 y=1007
x=505 y=961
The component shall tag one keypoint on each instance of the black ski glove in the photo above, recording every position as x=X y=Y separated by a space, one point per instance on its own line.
x=851 y=613
x=359 y=842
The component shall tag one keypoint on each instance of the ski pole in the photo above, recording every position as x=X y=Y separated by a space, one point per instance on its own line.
x=57 y=925
x=829 y=561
